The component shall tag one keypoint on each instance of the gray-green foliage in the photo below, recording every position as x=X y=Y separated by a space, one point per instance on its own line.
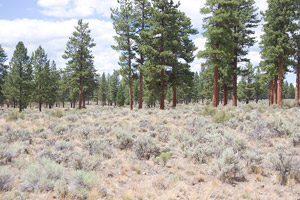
x=229 y=165
x=41 y=176
x=80 y=184
x=286 y=162
x=125 y=139
x=145 y=147
x=6 y=178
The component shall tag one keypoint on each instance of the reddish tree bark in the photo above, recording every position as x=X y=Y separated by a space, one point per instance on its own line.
x=275 y=91
x=280 y=82
x=174 y=96
x=271 y=93
x=216 y=90
x=141 y=90
x=225 y=95
x=162 y=89
x=234 y=89
x=297 y=80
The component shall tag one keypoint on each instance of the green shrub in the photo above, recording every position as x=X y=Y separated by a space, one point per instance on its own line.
x=57 y=113
x=14 y=115
x=145 y=147
x=285 y=162
x=41 y=176
x=60 y=129
x=125 y=139
x=164 y=157
x=228 y=166
x=221 y=116
x=80 y=184
x=209 y=110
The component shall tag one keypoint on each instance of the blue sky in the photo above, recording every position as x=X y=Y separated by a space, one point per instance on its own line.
x=50 y=23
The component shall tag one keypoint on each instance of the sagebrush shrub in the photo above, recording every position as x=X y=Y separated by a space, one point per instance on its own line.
x=14 y=115
x=286 y=162
x=80 y=184
x=6 y=178
x=295 y=138
x=125 y=139
x=145 y=147
x=228 y=166
x=41 y=176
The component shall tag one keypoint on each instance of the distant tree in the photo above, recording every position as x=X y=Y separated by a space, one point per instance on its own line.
x=18 y=84
x=41 y=74
x=112 y=88
x=3 y=72
x=80 y=64
x=120 y=95
x=63 y=90
x=53 y=86
x=102 y=92
x=246 y=86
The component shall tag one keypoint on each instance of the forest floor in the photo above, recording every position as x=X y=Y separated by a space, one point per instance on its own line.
x=191 y=152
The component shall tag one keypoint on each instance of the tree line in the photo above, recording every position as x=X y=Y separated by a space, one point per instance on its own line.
x=153 y=38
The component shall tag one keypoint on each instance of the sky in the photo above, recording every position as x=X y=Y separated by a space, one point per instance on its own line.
x=50 y=23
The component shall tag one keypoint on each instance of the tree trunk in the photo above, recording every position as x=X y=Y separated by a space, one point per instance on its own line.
x=83 y=101
x=130 y=89
x=40 y=107
x=174 y=96
x=297 y=80
x=275 y=94
x=162 y=90
x=71 y=104
x=225 y=94
x=280 y=82
x=141 y=89
x=234 y=89
x=63 y=104
x=216 y=91
x=271 y=93
x=97 y=103
x=80 y=97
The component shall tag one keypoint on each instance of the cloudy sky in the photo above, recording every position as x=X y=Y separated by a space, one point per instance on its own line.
x=50 y=23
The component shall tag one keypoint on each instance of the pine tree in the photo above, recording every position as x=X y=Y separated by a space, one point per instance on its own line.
x=124 y=24
x=41 y=73
x=246 y=86
x=63 y=90
x=80 y=59
x=18 y=85
x=3 y=72
x=142 y=9
x=102 y=92
x=182 y=46
x=53 y=85
x=219 y=33
x=276 y=41
x=246 y=13
x=112 y=88
x=120 y=95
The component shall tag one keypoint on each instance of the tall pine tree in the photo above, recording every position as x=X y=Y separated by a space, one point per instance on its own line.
x=80 y=63
x=18 y=82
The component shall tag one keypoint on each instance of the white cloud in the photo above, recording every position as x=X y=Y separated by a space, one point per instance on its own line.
x=76 y=8
x=53 y=36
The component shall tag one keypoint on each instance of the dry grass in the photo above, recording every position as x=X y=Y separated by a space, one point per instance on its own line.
x=120 y=174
